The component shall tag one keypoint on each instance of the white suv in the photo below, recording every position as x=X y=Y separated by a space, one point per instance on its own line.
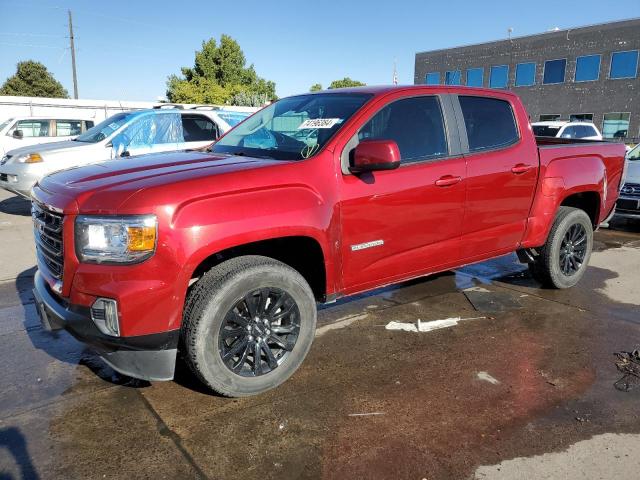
x=122 y=135
x=566 y=129
x=21 y=131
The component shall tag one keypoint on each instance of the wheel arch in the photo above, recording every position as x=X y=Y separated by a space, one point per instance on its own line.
x=303 y=253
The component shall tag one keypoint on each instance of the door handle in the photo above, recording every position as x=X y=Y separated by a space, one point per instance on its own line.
x=521 y=168
x=447 y=181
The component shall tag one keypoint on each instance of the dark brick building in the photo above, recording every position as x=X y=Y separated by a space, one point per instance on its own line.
x=587 y=73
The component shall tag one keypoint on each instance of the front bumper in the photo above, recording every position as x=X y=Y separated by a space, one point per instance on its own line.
x=628 y=207
x=148 y=357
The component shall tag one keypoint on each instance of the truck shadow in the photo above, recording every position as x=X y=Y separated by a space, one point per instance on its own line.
x=60 y=345
x=16 y=205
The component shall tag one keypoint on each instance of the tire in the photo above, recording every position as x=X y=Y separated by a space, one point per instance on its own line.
x=549 y=268
x=232 y=296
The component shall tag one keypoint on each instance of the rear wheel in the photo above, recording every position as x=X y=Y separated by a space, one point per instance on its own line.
x=564 y=257
x=248 y=325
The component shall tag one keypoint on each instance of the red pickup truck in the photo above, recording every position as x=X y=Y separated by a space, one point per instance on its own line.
x=222 y=255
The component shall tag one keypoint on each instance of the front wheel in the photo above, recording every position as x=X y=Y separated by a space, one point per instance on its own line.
x=564 y=257
x=248 y=325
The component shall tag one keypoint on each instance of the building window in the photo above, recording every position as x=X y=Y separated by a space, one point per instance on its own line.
x=587 y=68
x=624 y=64
x=581 y=117
x=615 y=125
x=525 y=74
x=452 y=77
x=549 y=117
x=432 y=78
x=554 y=71
x=499 y=76
x=475 y=77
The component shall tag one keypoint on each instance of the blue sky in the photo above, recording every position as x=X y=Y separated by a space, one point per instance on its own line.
x=126 y=49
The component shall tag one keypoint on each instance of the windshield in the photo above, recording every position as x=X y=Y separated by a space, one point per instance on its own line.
x=634 y=154
x=5 y=123
x=293 y=128
x=232 y=118
x=545 y=131
x=105 y=128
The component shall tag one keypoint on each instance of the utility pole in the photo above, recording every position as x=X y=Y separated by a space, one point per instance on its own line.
x=73 y=58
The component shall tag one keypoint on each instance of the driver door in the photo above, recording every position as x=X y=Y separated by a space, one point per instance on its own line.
x=403 y=223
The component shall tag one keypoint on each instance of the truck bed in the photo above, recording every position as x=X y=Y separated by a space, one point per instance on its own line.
x=560 y=155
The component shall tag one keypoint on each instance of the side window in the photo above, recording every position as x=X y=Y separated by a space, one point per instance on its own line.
x=489 y=121
x=589 y=131
x=88 y=124
x=415 y=124
x=571 y=132
x=66 y=128
x=198 y=128
x=33 y=128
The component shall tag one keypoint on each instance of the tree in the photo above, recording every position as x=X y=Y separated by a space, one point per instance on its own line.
x=346 y=82
x=220 y=75
x=32 y=79
x=316 y=87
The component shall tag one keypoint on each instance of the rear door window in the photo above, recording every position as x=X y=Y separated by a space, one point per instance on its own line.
x=66 y=128
x=198 y=128
x=490 y=123
x=572 y=132
x=33 y=128
x=415 y=124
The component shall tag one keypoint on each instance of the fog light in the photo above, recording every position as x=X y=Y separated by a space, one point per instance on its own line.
x=104 y=313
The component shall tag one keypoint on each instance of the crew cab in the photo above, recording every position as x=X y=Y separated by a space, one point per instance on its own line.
x=223 y=254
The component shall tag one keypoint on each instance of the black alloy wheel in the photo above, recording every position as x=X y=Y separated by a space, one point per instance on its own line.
x=573 y=249
x=259 y=332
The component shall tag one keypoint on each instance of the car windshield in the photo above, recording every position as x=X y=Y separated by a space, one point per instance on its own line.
x=545 y=131
x=293 y=128
x=634 y=154
x=232 y=118
x=5 y=123
x=105 y=128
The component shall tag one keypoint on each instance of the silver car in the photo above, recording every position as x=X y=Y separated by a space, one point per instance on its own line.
x=628 y=204
x=122 y=135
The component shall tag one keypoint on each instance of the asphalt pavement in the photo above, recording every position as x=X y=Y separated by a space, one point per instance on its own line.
x=521 y=386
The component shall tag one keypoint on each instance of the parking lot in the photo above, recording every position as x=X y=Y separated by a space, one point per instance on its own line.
x=525 y=384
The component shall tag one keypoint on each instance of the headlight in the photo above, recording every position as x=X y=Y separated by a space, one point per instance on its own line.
x=126 y=239
x=29 y=158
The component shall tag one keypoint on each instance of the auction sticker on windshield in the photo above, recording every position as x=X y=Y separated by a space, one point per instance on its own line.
x=319 y=123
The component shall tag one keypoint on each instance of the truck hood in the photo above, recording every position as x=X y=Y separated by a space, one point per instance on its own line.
x=47 y=148
x=104 y=187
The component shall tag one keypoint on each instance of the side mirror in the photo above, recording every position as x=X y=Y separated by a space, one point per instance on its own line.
x=372 y=155
x=19 y=134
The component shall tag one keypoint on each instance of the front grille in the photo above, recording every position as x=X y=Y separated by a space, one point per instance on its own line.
x=47 y=230
x=630 y=190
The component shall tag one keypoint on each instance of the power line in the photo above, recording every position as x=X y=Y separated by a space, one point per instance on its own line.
x=29 y=45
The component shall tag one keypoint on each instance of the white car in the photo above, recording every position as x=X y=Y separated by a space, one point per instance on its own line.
x=628 y=204
x=17 y=132
x=121 y=135
x=566 y=129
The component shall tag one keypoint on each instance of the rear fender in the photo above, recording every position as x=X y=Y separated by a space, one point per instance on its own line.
x=562 y=178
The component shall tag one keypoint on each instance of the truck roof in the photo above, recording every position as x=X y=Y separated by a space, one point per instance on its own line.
x=382 y=89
